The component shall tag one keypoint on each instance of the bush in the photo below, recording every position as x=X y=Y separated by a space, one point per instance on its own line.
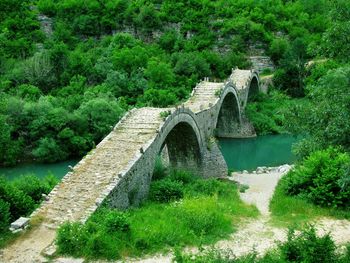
x=21 y=196
x=4 y=215
x=166 y=190
x=207 y=187
x=33 y=186
x=319 y=179
x=307 y=246
x=115 y=221
x=20 y=203
x=267 y=112
x=159 y=171
x=182 y=176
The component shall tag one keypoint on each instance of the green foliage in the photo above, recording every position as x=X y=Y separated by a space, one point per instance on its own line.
x=199 y=217
x=336 y=38
x=52 y=86
x=165 y=191
x=268 y=112
x=323 y=118
x=4 y=215
x=159 y=171
x=278 y=49
x=305 y=246
x=293 y=211
x=20 y=203
x=48 y=151
x=317 y=179
x=34 y=187
x=290 y=75
x=183 y=176
x=20 y=197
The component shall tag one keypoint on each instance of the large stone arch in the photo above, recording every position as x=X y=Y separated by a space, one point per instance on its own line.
x=228 y=119
x=181 y=137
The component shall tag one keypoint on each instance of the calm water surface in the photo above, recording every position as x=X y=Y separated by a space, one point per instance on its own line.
x=40 y=170
x=248 y=154
x=240 y=154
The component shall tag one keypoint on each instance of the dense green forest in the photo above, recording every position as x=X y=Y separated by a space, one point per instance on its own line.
x=62 y=90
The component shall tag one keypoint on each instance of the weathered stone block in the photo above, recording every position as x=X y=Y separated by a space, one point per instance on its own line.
x=21 y=222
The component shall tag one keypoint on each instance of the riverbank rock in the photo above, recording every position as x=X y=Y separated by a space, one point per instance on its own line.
x=284 y=168
x=262 y=170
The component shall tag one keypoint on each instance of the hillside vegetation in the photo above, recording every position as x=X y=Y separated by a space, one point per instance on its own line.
x=62 y=91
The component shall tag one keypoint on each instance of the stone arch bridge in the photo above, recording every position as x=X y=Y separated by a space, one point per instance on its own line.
x=119 y=170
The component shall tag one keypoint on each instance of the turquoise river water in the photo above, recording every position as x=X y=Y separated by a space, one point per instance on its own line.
x=248 y=154
x=240 y=154
x=41 y=170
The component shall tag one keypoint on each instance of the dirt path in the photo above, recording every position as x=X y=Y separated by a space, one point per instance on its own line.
x=28 y=247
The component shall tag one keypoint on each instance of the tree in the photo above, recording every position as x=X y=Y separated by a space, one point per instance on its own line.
x=101 y=115
x=49 y=151
x=325 y=118
x=335 y=41
x=290 y=76
x=159 y=74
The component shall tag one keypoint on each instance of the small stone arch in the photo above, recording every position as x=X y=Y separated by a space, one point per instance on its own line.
x=229 y=116
x=253 y=88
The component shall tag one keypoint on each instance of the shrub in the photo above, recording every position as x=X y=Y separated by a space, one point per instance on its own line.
x=116 y=221
x=307 y=246
x=165 y=191
x=159 y=171
x=20 y=197
x=184 y=177
x=20 y=203
x=32 y=186
x=319 y=179
x=207 y=187
x=4 y=215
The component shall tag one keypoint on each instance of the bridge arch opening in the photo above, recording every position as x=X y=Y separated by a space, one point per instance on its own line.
x=181 y=149
x=228 y=122
x=253 y=89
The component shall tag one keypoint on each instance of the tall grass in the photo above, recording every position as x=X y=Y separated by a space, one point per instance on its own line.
x=209 y=210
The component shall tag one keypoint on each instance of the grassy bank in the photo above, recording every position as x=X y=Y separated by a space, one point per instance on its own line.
x=294 y=211
x=317 y=187
x=182 y=210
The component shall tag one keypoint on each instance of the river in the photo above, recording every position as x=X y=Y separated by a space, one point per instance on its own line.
x=41 y=170
x=248 y=154
x=240 y=154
